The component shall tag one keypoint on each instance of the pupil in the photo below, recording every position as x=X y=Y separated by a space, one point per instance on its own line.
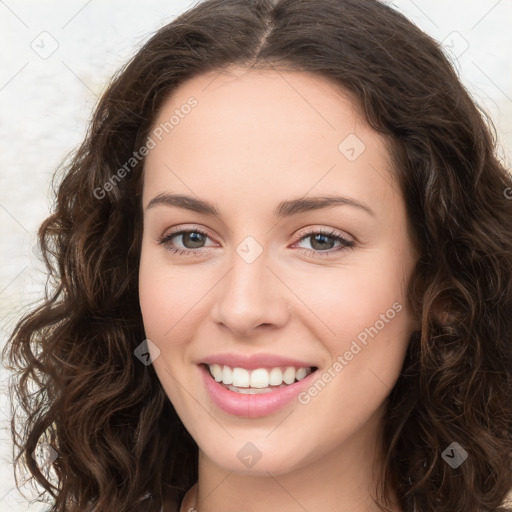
x=197 y=236
x=316 y=237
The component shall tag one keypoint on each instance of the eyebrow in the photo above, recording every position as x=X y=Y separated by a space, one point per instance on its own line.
x=284 y=209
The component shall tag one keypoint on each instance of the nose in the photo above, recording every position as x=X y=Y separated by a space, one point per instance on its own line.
x=250 y=298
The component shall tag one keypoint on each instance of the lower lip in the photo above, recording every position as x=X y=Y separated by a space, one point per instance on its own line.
x=252 y=406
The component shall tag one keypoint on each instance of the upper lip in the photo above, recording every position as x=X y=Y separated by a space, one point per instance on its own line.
x=253 y=361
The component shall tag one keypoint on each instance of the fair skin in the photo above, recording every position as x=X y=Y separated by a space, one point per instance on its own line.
x=257 y=138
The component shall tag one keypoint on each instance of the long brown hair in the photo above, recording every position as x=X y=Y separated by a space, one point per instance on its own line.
x=80 y=388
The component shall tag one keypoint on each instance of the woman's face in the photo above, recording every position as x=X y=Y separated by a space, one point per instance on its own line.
x=270 y=277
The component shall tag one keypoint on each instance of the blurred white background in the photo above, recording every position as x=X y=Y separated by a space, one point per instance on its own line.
x=55 y=60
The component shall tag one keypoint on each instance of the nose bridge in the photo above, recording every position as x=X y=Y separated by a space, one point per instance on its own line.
x=249 y=294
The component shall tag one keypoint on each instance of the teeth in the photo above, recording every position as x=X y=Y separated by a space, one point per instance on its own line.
x=241 y=377
x=275 y=377
x=227 y=375
x=250 y=391
x=260 y=378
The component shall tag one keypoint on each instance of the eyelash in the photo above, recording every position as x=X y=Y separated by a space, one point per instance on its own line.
x=347 y=244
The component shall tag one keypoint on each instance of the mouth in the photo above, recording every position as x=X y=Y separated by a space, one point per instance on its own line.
x=259 y=380
x=240 y=398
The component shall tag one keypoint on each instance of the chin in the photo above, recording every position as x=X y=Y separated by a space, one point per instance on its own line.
x=263 y=463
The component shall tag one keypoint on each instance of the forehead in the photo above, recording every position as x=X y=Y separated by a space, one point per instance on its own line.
x=263 y=131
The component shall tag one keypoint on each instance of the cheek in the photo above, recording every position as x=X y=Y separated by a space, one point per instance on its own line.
x=162 y=303
x=374 y=335
x=159 y=296
x=366 y=322
x=371 y=333
x=169 y=296
x=347 y=300
x=151 y=296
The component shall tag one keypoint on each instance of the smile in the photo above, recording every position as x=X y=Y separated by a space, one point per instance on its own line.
x=259 y=380
x=232 y=392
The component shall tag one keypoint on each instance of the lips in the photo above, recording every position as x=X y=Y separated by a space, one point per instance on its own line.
x=252 y=405
x=254 y=361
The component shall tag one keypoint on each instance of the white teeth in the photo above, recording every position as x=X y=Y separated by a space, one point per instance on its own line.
x=301 y=373
x=260 y=378
x=275 y=377
x=240 y=377
x=216 y=371
x=227 y=375
x=289 y=375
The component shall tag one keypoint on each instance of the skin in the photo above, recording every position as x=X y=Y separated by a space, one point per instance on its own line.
x=257 y=138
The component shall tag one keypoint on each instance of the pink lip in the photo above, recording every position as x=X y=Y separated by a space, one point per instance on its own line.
x=252 y=406
x=251 y=362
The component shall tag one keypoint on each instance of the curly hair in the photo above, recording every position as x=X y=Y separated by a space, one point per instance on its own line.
x=77 y=383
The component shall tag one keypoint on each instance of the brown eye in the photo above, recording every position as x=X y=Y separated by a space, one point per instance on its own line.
x=191 y=239
x=319 y=242
x=323 y=241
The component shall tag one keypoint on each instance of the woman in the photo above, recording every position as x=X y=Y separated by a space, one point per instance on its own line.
x=195 y=354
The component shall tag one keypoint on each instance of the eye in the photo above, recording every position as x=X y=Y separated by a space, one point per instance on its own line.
x=321 y=244
x=194 y=237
